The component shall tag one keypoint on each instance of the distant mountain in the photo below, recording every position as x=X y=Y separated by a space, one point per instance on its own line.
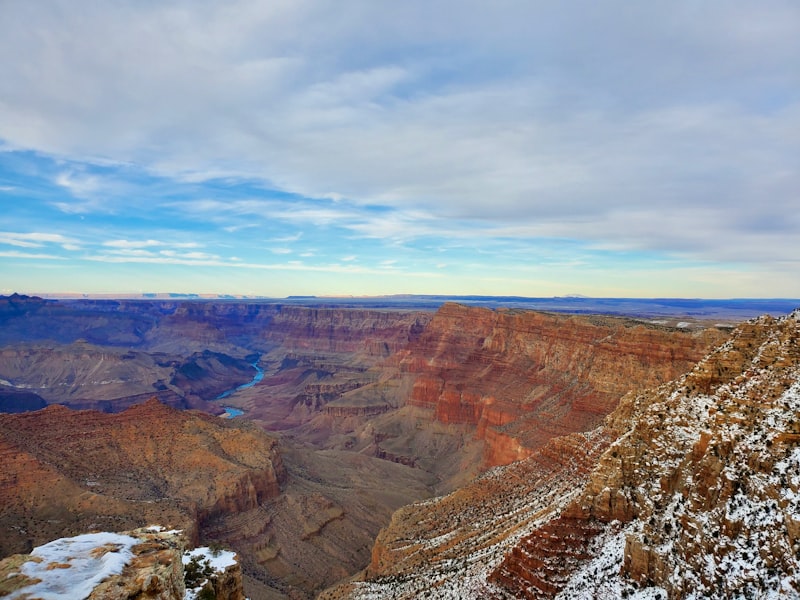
x=733 y=310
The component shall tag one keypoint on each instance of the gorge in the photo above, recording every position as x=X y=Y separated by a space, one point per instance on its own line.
x=355 y=419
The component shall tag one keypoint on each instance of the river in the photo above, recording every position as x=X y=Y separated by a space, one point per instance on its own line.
x=231 y=411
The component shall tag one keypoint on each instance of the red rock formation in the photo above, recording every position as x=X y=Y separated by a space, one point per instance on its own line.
x=367 y=332
x=690 y=489
x=523 y=377
x=698 y=497
x=446 y=546
x=66 y=470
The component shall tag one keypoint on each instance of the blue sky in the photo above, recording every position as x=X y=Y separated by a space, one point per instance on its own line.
x=350 y=148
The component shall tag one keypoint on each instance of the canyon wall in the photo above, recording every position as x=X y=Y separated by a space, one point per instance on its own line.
x=378 y=409
x=689 y=489
x=699 y=494
x=367 y=333
x=523 y=377
x=69 y=471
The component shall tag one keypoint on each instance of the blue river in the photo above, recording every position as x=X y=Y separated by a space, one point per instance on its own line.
x=236 y=412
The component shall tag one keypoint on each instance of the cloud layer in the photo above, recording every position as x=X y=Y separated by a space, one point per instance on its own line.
x=583 y=130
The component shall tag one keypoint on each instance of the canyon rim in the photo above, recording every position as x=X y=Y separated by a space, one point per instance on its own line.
x=389 y=450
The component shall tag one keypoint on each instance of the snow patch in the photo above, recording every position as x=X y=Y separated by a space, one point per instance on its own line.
x=70 y=568
x=219 y=561
x=211 y=562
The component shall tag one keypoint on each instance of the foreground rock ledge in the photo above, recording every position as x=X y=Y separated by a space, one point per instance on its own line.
x=133 y=565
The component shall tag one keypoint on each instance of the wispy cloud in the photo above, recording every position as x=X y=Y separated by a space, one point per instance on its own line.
x=37 y=240
x=29 y=255
x=288 y=238
x=132 y=243
x=148 y=244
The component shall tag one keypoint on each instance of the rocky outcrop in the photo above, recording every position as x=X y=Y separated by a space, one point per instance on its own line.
x=86 y=376
x=68 y=471
x=207 y=374
x=698 y=497
x=144 y=564
x=81 y=371
x=687 y=490
x=523 y=377
x=446 y=547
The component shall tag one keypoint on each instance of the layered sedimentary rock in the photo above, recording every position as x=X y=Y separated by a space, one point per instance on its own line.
x=86 y=376
x=523 y=377
x=184 y=327
x=375 y=333
x=424 y=394
x=320 y=355
x=68 y=471
x=321 y=527
x=690 y=489
x=699 y=497
x=447 y=547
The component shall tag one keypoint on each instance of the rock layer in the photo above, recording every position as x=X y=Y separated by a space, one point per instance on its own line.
x=688 y=490
x=154 y=569
x=699 y=497
x=523 y=377
x=68 y=471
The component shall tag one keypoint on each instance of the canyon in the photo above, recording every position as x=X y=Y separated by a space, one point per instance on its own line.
x=360 y=418
x=687 y=490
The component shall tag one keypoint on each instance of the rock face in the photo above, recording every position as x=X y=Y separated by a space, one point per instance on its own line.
x=143 y=564
x=523 y=377
x=447 y=547
x=377 y=409
x=69 y=471
x=688 y=490
x=699 y=495
x=86 y=376
x=375 y=333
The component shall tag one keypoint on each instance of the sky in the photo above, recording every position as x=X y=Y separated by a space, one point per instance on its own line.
x=348 y=147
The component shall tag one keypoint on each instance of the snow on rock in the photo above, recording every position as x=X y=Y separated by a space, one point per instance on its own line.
x=709 y=478
x=70 y=568
x=697 y=497
x=207 y=569
x=218 y=560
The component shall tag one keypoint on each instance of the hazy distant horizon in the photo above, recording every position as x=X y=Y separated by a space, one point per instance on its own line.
x=727 y=311
x=347 y=148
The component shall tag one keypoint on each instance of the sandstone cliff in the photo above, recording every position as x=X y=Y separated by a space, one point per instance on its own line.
x=699 y=495
x=523 y=377
x=70 y=471
x=693 y=493
x=371 y=333
x=447 y=547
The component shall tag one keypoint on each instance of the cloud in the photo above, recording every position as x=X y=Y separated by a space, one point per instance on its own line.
x=288 y=238
x=79 y=185
x=665 y=129
x=28 y=255
x=126 y=244
x=133 y=243
x=36 y=239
